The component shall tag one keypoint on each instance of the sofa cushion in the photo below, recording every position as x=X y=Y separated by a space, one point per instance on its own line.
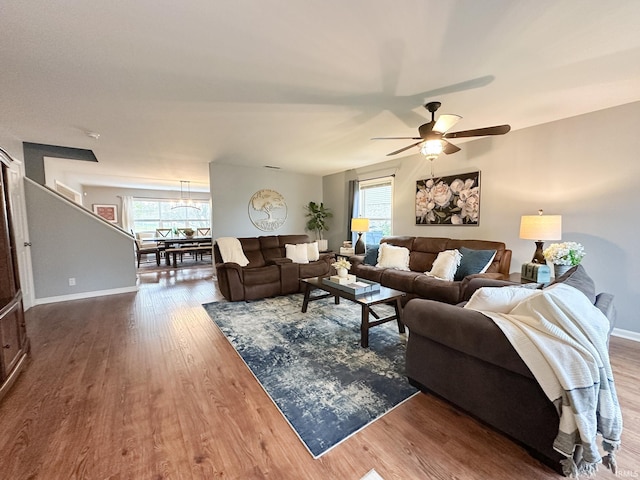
x=399 y=279
x=435 y=289
x=297 y=253
x=445 y=265
x=424 y=252
x=253 y=252
x=499 y=300
x=313 y=253
x=474 y=261
x=391 y=256
x=371 y=255
x=577 y=277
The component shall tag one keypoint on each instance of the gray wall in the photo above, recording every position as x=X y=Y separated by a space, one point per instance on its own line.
x=232 y=187
x=66 y=243
x=584 y=168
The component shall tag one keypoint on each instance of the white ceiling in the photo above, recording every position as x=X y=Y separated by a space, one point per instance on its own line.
x=303 y=85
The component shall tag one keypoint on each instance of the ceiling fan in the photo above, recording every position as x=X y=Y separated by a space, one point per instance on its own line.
x=433 y=135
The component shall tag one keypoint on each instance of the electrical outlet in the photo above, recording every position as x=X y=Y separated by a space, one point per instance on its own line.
x=72 y=281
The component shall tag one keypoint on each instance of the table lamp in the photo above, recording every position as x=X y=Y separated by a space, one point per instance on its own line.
x=539 y=228
x=359 y=225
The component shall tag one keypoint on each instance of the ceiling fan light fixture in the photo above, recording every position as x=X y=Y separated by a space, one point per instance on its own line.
x=431 y=149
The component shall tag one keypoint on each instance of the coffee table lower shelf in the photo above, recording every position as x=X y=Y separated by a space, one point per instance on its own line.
x=366 y=301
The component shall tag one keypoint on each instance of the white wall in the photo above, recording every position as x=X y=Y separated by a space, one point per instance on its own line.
x=584 y=168
x=232 y=187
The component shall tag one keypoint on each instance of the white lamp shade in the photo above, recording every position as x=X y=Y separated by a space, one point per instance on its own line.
x=541 y=227
x=359 y=224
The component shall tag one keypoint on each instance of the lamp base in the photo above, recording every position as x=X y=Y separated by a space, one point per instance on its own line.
x=359 y=245
x=538 y=256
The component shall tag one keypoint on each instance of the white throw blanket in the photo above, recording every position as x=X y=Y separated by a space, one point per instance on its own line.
x=562 y=338
x=231 y=251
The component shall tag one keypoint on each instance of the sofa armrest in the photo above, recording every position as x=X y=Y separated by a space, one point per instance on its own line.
x=230 y=280
x=356 y=260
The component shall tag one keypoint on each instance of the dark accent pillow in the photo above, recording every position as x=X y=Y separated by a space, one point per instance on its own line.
x=473 y=261
x=578 y=278
x=371 y=255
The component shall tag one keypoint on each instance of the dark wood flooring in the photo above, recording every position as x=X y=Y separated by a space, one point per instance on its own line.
x=144 y=386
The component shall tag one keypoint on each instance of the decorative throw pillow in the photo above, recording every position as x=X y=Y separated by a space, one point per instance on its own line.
x=297 y=253
x=577 y=277
x=499 y=299
x=391 y=256
x=474 y=261
x=445 y=265
x=371 y=255
x=313 y=252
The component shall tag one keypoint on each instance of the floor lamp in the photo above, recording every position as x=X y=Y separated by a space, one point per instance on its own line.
x=359 y=225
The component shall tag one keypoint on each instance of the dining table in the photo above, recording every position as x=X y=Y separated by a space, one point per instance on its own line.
x=171 y=242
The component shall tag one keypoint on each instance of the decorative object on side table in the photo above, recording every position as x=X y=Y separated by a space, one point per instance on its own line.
x=564 y=256
x=359 y=225
x=318 y=215
x=539 y=228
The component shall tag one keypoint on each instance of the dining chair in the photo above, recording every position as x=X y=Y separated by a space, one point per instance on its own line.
x=204 y=232
x=163 y=232
x=146 y=250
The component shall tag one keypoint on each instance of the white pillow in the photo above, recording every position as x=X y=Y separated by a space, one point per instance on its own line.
x=313 y=253
x=297 y=253
x=499 y=299
x=445 y=265
x=391 y=256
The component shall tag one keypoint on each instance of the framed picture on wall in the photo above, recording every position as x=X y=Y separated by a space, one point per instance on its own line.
x=452 y=200
x=108 y=212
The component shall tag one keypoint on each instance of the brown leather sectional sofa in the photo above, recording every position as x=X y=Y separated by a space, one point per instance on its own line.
x=462 y=356
x=423 y=251
x=269 y=273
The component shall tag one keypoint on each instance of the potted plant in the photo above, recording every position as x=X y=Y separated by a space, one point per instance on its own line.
x=318 y=215
x=564 y=256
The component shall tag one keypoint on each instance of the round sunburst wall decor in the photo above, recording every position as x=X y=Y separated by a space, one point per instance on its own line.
x=267 y=210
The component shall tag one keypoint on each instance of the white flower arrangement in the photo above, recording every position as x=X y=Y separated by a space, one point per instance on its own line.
x=341 y=263
x=566 y=253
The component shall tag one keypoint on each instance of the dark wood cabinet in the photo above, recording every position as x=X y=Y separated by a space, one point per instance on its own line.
x=14 y=344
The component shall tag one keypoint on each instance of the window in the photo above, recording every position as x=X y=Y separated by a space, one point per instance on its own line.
x=376 y=204
x=150 y=214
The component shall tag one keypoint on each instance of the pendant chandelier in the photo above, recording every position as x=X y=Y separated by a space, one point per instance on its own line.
x=185 y=199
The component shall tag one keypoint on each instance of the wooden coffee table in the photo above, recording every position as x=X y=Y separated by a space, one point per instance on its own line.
x=366 y=301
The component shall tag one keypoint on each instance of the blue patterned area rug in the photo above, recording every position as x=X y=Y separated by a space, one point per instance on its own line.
x=312 y=365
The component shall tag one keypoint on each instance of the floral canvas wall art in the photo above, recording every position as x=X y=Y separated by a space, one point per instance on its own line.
x=451 y=200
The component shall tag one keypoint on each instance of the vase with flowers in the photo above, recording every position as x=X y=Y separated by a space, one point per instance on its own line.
x=342 y=266
x=564 y=256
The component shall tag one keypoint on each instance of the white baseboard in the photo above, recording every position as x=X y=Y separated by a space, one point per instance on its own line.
x=80 y=296
x=628 y=334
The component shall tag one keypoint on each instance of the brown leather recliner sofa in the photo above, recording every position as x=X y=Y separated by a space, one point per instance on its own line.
x=422 y=253
x=462 y=356
x=269 y=273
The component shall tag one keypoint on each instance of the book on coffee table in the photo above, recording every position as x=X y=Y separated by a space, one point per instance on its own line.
x=357 y=287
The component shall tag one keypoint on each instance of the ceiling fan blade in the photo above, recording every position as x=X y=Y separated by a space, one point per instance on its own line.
x=425 y=129
x=445 y=122
x=405 y=148
x=450 y=148
x=396 y=138
x=479 y=132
